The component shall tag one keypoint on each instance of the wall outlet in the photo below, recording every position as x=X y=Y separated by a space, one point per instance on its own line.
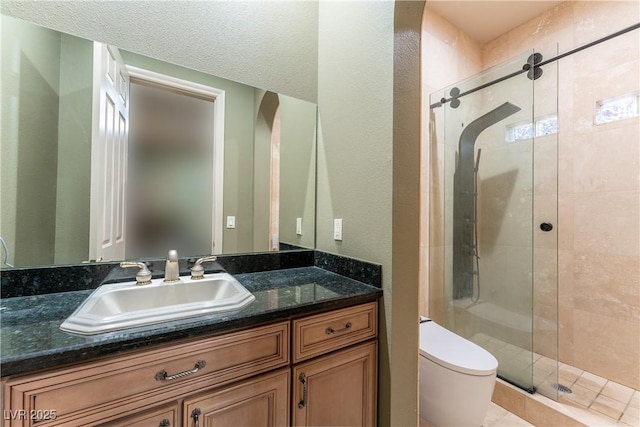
x=231 y=222
x=337 y=229
x=299 y=226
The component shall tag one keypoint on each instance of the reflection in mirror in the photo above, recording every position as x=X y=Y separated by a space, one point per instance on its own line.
x=170 y=165
x=48 y=130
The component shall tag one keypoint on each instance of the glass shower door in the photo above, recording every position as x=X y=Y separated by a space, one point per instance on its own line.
x=483 y=194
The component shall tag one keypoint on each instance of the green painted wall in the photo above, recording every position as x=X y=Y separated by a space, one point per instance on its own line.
x=355 y=147
x=74 y=150
x=297 y=170
x=30 y=87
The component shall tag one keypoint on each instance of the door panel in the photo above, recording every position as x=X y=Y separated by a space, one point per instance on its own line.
x=109 y=154
x=338 y=389
x=261 y=401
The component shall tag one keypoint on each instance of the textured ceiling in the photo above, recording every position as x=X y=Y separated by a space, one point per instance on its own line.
x=485 y=20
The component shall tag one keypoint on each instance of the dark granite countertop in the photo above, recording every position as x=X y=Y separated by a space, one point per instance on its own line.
x=31 y=339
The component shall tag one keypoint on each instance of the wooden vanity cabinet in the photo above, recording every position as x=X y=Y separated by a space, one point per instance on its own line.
x=114 y=389
x=335 y=382
x=323 y=372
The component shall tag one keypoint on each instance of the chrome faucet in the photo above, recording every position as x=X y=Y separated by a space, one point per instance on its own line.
x=172 y=268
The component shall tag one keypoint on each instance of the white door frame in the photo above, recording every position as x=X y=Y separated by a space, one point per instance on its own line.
x=218 y=98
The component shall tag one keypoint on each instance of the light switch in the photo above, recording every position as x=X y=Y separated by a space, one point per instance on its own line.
x=299 y=226
x=231 y=222
x=337 y=229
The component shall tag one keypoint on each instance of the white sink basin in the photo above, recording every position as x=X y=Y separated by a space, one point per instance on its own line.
x=126 y=305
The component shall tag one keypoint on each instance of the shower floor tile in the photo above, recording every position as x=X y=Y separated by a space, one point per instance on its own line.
x=617 y=402
x=580 y=395
x=617 y=391
x=592 y=382
x=596 y=394
x=608 y=406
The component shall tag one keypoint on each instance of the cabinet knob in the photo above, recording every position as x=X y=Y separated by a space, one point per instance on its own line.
x=165 y=423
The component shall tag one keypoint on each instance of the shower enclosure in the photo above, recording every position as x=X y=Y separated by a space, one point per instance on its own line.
x=493 y=207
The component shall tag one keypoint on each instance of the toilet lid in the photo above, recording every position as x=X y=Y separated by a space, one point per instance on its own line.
x=445 y=348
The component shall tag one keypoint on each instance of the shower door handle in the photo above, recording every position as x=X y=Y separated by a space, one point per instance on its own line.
x=546 y=226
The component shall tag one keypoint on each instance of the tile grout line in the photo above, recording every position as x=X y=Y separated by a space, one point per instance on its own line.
x=628 y=406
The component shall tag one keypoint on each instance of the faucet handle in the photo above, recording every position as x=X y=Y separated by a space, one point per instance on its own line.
x=197 y=271
x=144 y=275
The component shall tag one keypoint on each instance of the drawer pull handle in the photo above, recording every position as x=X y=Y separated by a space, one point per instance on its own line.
x=163 y=376
x=195 y=414
x=165 y=423
x=303 y=379
x=330 y=330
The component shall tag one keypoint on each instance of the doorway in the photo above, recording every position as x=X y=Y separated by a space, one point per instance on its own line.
x=170 y=167
x=161 y=186
x=176 y=158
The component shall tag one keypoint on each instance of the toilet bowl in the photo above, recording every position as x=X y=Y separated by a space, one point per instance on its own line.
x=456 y=378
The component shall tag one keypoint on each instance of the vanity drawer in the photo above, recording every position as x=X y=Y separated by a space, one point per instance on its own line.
x=165 y=416
x=322 y=333
x=101 y=390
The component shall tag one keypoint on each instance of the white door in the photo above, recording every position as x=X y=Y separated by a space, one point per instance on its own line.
x=109 y=154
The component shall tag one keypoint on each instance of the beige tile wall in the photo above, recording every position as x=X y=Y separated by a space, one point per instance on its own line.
x=598 y=168
x=454 y=56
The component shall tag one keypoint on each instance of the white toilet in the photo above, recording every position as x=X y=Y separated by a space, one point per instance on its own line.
x=456 y=378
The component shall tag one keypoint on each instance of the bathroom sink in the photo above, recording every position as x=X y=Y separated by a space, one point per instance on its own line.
x=126 y=305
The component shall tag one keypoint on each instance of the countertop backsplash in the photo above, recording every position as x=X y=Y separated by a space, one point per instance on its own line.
x=21 y=282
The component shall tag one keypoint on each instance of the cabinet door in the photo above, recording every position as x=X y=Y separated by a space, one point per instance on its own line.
x=261 y=401
x=164 y=416
x=337 y=389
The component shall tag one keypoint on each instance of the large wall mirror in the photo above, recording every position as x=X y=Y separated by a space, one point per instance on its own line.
x=266 y=181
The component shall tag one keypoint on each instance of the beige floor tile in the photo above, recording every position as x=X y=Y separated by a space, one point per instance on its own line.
x=497 y=416
x=494 y=413
x=617 y=392
x=591 y=381
x=608 y=406
x=511 y=420
x=631 y=416
x=635 y=400
x=569 y=374
x=540 y=378
x=545 y=364
x=581 y=395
